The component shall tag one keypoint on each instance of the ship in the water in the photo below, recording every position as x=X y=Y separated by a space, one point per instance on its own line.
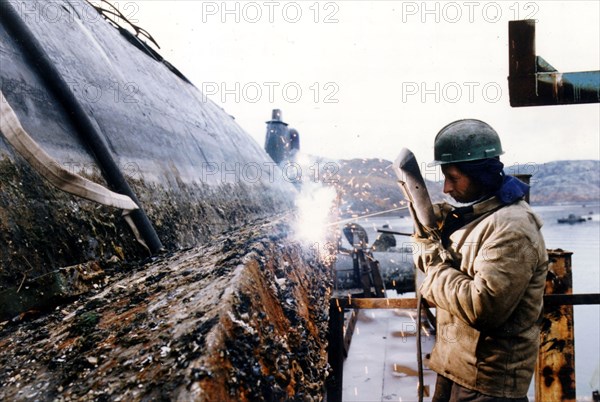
x=571 y=219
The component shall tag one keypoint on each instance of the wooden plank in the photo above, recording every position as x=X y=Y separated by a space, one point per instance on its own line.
x=408 y=303
x=376 y=303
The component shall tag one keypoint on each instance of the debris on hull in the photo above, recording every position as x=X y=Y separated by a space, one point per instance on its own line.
x=194 y=170
x=243 y=318
x=238 y=311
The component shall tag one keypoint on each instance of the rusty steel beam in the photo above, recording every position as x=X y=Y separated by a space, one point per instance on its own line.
x=555 y=371
x=534 y=82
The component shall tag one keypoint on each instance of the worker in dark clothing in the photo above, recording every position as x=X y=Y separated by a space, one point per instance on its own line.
x=384 y=241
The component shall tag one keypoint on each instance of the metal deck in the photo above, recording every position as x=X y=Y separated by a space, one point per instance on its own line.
x=382 y=362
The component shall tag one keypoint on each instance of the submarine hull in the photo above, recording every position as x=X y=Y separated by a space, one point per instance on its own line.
x=194 y=170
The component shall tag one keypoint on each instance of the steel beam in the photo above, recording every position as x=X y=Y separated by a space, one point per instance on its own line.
x=534 y=82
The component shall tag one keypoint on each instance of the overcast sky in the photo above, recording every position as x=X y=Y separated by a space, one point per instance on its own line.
x=365 y=78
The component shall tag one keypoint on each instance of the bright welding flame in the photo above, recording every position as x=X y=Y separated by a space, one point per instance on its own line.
x=314 y=205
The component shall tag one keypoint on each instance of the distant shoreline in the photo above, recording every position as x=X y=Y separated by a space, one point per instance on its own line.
x=369 y=185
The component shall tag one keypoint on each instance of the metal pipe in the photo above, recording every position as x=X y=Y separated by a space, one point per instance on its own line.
x=420 y=385
x=521 y=55
x=84 y=126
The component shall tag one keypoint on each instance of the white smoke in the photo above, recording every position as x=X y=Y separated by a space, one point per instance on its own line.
x=315 y=205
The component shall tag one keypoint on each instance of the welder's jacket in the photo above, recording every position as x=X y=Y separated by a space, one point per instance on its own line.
x=489 y=299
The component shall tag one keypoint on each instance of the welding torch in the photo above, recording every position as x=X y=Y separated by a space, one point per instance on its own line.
x=421 y=210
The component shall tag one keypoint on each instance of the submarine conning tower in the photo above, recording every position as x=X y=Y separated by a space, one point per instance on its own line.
x=282 y=142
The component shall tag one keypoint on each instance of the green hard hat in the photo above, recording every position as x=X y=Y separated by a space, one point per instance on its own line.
x=466 y=140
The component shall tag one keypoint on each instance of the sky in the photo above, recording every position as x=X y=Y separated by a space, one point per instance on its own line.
x=363 y=79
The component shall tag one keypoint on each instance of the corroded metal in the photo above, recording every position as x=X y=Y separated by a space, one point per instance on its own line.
x=555 y=372
x=533 y=81
x=377 y=303
x=242 y=318
x=45 y=292
x=194 y=170
x=84 y=124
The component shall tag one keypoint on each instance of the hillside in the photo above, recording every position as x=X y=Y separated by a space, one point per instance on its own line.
x=369 y=185
x=565 y=182
x=366 y=185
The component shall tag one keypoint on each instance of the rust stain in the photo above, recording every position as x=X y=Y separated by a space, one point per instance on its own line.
x=556 y=361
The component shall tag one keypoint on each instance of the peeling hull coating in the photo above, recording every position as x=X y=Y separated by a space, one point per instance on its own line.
x=43 y=228
x=237 y=310
x=241 y=319
x=175 y=147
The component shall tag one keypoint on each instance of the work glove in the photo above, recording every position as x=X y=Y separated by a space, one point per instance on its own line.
x=429 y=252
x=441 y=210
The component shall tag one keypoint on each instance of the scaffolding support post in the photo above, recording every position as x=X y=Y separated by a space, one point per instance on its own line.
x=555 y=371
x=335 y=351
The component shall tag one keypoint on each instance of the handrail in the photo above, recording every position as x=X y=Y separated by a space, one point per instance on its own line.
x=411 y=302
x=339 y=304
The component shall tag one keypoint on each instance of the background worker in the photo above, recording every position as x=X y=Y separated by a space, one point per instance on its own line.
x=384 y=241
x=487 y=274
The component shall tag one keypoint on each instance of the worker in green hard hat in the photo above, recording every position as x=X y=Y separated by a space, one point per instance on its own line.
x=486 y=275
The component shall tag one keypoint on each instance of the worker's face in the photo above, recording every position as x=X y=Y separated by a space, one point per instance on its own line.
x=459 y=186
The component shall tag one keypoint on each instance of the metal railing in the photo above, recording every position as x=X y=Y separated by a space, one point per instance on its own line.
x=555 y=371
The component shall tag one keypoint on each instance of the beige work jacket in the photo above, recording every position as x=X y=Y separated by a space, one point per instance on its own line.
x=489 y=300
